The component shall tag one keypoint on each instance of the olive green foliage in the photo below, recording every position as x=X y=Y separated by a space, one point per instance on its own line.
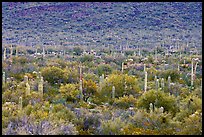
x=69 y=92
x=174 y=74
x=77 y=51
x=104 y=69
x=124 y=85
x=125 y=102
x=111 y=127
x=89 y=89
x=86 y=59
x=159 y=99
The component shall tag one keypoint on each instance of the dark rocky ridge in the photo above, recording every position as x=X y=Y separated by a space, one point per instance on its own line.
x=95 y=23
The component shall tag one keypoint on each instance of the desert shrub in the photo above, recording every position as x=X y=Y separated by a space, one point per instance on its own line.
x=125 y=102
x=111 y=127
x=159 y=99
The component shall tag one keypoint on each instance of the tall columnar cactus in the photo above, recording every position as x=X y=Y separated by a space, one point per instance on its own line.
x=43 y=53
x=26 y=79
x=80 y=72
x=162 y=83
x=81 y=90
x=4 y=78
x=151 y=107
x=145 y=84
x=113 y=92
x=20 y=103
x=161 y=109
x=122 y=67
x=36 y=51
x=157 y=84
x=4 y=57
x=195 y=69
x=16 y=51
x=40 y=86
x=156 y=54
x=144 y=67
x=192 y=72
x=27 y=89
x=155 y=80
x=11 y=51
x=101 y=82
x=169 y=81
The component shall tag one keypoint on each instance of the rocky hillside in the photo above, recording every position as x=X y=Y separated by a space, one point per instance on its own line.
x=95 y=23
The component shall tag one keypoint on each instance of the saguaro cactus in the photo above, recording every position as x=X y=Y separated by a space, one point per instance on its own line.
x=4 y=57
x=4 y=78
x=144 y=67
x=27 y=89
x=169 y=81
x=26 y=79
x=161 y=109
x=113 y=92
x=122 y=66
x=80 y=72
x=40 y=86
x=16 y=51
x=145 y=84
x=192 y=72
x=101 y=82
x=155 y=80
x=20 y=103
x=11 y=51
x=162 y=83
x=151 y=108
x=157 y=84
x=81 y=90
x=43 y=53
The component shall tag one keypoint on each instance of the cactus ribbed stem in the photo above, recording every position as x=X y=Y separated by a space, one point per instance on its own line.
x=122 y=67
x=4 y=57
x=145 y=84
x=20 y=103
x=162 y=83
x=27 y=89
x=4 y=78
x=169 y=81
x=113 y=92
x=192 y=73
x=81 y=90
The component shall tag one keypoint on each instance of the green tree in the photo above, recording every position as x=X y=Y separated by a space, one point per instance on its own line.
x=69 y=92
